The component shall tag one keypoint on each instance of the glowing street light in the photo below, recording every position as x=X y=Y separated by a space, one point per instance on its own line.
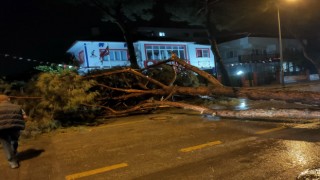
x=239 y=73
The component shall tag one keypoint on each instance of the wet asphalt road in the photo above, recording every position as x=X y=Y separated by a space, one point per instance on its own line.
x=175 y=144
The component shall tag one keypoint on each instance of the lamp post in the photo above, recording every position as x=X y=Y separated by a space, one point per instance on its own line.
x=280 y=44
x=280 y=48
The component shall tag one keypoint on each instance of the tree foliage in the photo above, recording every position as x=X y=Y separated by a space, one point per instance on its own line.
x=201 y=13
x=5 y=86
x=65 y=92
x=250 y=16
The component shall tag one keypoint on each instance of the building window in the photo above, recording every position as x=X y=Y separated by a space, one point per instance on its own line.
x=203 y=53
x=258 y=51
x=81 y=57
x=231 y=54
x=162 y=34
x=163 y=51
x=116 y=55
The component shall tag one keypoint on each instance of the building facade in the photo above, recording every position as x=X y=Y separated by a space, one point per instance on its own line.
x=105 y=55
x=252 y=61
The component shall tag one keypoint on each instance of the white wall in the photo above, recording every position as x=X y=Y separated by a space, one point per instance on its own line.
x=204 y=63
x=91 y=50
x=201 y=62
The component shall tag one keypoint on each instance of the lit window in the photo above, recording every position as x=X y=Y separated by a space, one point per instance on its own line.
x=156 y=52
x=116 y=55
x=162 y=34
x=203 y=53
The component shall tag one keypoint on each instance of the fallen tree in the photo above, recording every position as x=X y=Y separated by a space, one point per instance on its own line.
x=128 y=91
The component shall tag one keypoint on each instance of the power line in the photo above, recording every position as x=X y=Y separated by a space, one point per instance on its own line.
x=19 y=58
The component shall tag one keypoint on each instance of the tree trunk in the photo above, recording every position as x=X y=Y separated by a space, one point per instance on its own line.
x=220 y=66
x=315 y=64
x=132 y=54
x=312 y=98
x=120 y=22
x=279 y=114
x=253 y=114
x=214 y=48
x=162 y=91
x=215 y=90
x=127 y=37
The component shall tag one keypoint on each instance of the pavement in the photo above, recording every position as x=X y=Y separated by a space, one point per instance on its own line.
x=173 y=144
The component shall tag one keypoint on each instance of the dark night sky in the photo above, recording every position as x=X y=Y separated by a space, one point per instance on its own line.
x=41 y=30
x=44 y=29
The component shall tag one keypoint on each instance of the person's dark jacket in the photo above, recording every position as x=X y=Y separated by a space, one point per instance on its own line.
x=11 y=116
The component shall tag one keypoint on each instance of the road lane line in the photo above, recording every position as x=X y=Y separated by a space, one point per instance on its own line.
x=270 y=130
x=307 y=125
x=119 y=124
x=192 y=148
x=95 y=171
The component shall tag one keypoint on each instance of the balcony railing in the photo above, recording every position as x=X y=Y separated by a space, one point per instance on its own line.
x=258 y=58
x=271 y=57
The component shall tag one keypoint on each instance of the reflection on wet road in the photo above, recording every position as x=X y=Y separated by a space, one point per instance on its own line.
x=243 y=104
x=298 y=152
x=295 y=148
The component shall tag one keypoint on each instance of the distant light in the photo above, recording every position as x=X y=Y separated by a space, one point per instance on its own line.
x=162 y=34
x=239 y=73
x=242 y=105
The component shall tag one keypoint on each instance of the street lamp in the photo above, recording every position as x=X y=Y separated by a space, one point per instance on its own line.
x=280 y=49
x=280 y=45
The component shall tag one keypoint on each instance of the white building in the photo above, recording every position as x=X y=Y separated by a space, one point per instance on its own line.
x=102 y=55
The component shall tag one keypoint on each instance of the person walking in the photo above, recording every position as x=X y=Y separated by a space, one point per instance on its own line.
x=11 y=123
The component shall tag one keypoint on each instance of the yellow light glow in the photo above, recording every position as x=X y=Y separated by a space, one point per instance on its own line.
x=298 y=152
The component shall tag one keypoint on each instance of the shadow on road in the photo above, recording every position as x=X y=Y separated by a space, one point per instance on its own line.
x=29 y=154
